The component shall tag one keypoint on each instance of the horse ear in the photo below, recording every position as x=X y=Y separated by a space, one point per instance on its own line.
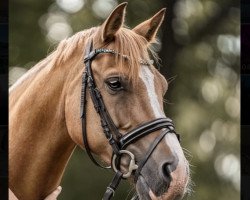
x=114 y=22
x=149 y=28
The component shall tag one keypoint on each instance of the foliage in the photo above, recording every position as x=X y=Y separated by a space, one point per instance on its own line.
x=200 y=57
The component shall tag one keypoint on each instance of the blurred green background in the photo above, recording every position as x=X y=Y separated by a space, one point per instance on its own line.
x=200 y=52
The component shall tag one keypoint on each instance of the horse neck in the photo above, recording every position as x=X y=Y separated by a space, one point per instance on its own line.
x=39 y=144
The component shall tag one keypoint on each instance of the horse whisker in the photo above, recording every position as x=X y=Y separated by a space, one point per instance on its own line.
x=167 y=102
x=171 y=79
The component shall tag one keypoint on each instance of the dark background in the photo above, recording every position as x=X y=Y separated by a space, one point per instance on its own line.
x=3 y=99
x=200 y=50
x=245 y=99
x=245 y=7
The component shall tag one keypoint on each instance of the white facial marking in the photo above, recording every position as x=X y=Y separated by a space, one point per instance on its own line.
x=175 y=147
x=148 y=79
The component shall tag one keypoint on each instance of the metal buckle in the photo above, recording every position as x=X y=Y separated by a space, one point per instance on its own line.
x=111 y=189
x=132 y=165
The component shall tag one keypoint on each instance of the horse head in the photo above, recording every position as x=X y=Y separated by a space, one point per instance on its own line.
x=131 y=91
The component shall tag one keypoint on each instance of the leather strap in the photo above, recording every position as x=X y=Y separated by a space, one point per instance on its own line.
x=144 y=130
x=83 y=95
x=106 y=121
x=110 y=191
x=148 y=154
x=83 y=111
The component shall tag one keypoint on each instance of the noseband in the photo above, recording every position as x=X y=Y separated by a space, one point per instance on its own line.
x=118 y=141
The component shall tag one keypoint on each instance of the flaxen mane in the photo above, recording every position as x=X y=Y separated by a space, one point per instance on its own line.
x=136 y=49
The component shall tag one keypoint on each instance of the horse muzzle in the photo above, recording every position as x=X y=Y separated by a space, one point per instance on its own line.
x=165 y=176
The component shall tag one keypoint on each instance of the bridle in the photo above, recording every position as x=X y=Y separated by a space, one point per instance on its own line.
x=119 y=142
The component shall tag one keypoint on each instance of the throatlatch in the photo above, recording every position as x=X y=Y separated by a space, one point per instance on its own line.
x=118 y=141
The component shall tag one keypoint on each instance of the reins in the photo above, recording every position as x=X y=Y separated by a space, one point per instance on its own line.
x=117 y=141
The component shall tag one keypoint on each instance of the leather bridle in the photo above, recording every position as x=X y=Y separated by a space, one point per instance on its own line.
x=118 y=141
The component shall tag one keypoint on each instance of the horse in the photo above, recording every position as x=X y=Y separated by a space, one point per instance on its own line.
x=99 y=90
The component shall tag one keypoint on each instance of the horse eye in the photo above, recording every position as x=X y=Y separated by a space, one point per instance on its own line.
x=114 y=83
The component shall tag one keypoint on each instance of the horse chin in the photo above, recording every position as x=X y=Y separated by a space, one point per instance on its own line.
x=146 y=193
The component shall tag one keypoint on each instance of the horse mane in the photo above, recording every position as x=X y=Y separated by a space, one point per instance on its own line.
x=127 y=42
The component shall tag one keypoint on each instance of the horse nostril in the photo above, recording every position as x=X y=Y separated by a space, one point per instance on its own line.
x=166 y=171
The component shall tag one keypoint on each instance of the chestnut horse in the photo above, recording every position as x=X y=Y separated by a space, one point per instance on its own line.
x=44 y=113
